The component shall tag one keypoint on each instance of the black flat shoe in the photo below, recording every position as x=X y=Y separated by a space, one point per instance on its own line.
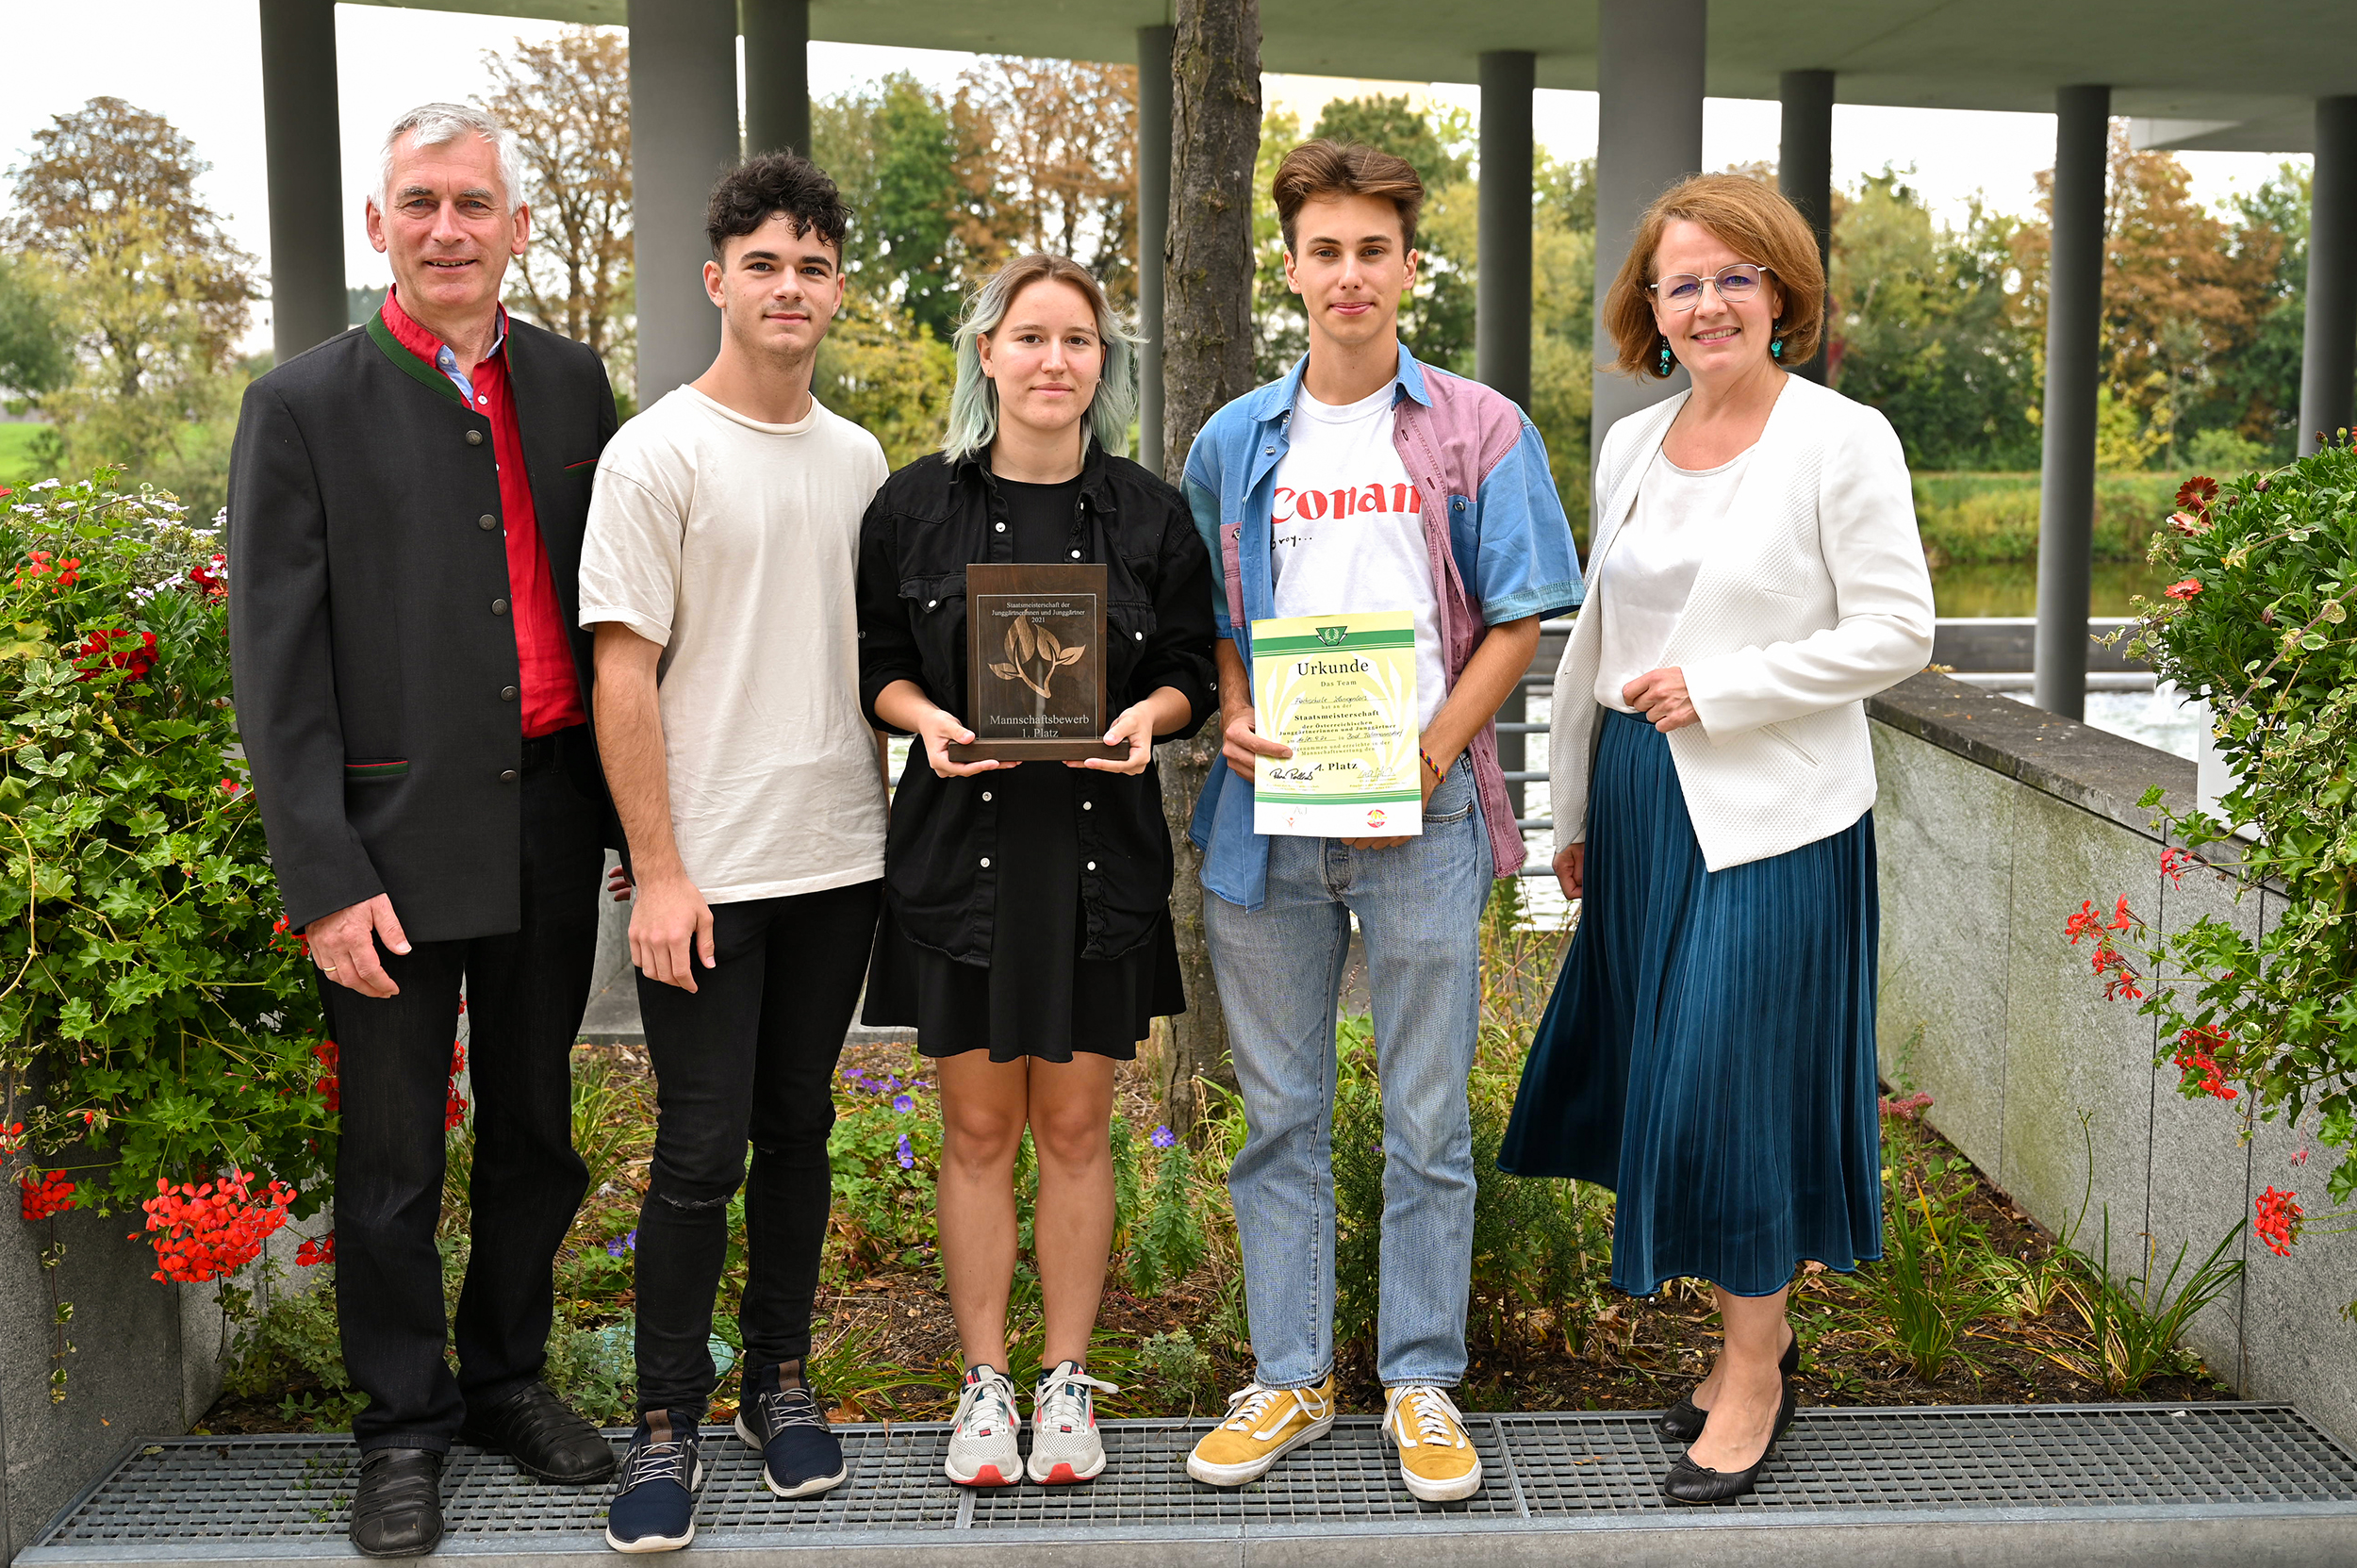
x=1695 y=1485
x=545 y=1438
x=397 y=1509
x=1683 y=1421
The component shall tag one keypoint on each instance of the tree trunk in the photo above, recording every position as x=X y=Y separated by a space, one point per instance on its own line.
x=1206 y=362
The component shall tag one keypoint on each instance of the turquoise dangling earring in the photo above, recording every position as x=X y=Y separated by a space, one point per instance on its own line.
x=1665 y=364
x=1775 y=348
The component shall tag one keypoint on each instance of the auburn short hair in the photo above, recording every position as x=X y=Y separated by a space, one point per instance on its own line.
x=1329 y=168
x=1758 y=225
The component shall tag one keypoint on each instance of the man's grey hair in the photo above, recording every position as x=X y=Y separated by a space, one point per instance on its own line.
x=437 y=124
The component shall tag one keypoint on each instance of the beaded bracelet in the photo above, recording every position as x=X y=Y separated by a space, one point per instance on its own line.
x=1437 y=771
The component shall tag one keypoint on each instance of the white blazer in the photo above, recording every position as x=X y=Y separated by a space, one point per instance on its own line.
x=1813 y=598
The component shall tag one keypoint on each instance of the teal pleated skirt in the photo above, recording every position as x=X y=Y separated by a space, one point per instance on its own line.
x=1709 y=1052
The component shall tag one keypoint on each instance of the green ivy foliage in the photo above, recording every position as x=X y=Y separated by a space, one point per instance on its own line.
x=164 y=1030
x=2258 y=620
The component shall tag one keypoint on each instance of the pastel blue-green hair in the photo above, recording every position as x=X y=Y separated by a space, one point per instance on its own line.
x=974 y=401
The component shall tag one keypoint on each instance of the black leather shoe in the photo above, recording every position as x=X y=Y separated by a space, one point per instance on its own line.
x=1683 y=1421
x=1698 y=1484
x=397 y=1509
x=534 y=1428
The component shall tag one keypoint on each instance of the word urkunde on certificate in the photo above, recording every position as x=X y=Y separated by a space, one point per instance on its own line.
x=1340 y=690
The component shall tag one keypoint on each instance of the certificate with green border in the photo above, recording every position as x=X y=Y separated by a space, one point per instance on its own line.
x=1340 y=690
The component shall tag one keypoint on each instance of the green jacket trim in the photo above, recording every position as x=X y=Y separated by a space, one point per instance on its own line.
x=409 y=364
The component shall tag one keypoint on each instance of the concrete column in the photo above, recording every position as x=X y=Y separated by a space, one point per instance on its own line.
x=1153 y=232
x=777 y=75
x=306 y=159
x=1805 y=173
x=2074 y=317
x=1501 y=286
x=2329 y=355
x=682 y=135
x=1649 y=135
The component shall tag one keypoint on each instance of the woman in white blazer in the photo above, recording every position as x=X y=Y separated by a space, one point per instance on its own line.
x=1754 y=575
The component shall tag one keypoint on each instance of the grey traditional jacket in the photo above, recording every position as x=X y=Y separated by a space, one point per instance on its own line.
x=368 y=625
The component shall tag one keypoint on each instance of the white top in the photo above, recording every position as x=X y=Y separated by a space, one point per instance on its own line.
x=1670 y=529
x=1816 y=602
x=731 y=543
x=1348 y=528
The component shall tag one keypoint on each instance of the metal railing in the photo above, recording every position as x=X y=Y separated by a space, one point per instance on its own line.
x=1542 y=683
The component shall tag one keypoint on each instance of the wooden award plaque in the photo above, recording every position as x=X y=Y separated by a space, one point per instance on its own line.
x=1035 y=662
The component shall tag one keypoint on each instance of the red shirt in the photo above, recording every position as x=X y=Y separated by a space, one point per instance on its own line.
x=550 y=698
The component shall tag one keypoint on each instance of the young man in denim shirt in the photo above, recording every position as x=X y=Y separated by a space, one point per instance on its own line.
x=1364 y=481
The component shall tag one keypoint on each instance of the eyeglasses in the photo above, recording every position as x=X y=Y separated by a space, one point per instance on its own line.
x=1683 y=290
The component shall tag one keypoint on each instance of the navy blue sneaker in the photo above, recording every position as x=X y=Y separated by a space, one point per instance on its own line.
x=656 y=1508
x=779 y=1414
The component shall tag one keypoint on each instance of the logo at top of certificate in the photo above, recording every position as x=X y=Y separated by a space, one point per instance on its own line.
x=1332 y=635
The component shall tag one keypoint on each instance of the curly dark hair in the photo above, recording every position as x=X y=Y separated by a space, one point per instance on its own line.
x=757 y=189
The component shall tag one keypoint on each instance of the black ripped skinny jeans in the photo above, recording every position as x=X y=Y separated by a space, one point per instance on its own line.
x=749 y=1056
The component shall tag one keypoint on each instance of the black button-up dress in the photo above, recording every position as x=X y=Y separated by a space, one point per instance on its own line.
x=1067 y=871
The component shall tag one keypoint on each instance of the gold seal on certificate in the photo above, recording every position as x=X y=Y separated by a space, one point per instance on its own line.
x=1340 y=690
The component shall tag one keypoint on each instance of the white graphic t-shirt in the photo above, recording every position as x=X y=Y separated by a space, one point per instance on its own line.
x=1348 y=531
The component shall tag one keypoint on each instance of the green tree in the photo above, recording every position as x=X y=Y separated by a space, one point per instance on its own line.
x=2184 y=288
x=882 y=371
x=2255 y=384
x=159 y=295
x=568 y=101
x=914 y=170
x=36 y=333
x=1921 y=328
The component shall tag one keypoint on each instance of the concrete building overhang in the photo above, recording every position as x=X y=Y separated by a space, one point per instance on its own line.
x=2199 y=73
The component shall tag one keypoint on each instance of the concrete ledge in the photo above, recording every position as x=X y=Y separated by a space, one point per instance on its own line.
x=2091 y=768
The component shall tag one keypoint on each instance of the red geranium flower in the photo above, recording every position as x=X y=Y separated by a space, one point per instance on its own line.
x=2196 y=1053
x=98 y=655
x=38 y=1199
x=203 y=1232
x=312 y=1253
x=2278 y=1223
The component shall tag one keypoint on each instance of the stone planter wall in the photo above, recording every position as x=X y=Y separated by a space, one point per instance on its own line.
x=146 y=1358
x=1994 y=822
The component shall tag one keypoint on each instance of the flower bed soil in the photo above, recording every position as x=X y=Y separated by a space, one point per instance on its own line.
x=1637 y=1354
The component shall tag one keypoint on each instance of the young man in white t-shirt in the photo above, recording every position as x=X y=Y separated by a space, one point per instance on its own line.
x=1364 y=481
x=717 y=572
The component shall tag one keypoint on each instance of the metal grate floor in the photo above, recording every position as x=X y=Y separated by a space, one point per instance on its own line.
x=1550 y=1479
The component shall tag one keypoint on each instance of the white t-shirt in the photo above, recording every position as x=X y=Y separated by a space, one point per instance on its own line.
x=1643 y=586
x=733 y=544
x=1348 y=529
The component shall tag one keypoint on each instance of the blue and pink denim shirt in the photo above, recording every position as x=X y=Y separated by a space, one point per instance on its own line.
x=1501 y=550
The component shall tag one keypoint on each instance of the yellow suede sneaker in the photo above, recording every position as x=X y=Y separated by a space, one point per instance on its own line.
x=1436 y=1457
x=1263 y=1424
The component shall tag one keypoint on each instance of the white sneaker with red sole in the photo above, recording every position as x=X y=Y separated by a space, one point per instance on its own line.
x=982 y=1449
x=1066 y=1446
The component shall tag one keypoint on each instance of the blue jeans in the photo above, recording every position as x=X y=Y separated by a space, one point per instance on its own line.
x=1279 y=970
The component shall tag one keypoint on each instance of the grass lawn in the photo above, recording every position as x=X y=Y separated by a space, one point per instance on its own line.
x=17 y=463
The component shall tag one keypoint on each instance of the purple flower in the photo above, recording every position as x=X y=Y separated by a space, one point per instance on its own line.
x=890 y=1083
x=854 y=1075
x=906 y=1155
x=625 y=1243
x=904 y=1104
x=1162 y=1137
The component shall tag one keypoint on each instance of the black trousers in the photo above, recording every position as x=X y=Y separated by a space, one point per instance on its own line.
x=750 y=1055
x=525 y=992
